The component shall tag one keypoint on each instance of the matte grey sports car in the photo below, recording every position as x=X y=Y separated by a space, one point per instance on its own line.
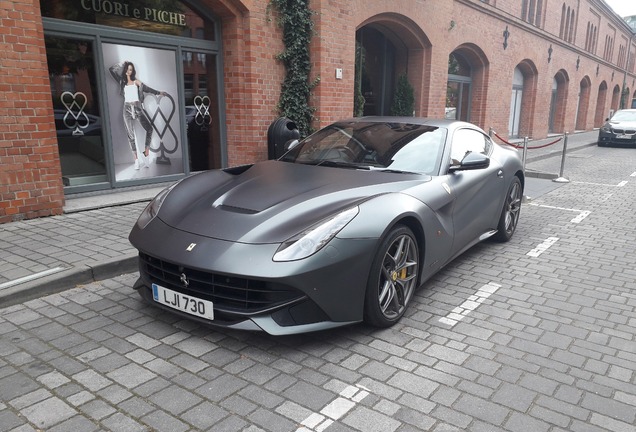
x=341 y=229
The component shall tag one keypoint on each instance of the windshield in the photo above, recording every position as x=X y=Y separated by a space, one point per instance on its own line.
x=625 y=116
x=373 y=145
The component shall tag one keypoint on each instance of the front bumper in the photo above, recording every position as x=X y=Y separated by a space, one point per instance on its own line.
x=248 y=289
x=616 y=139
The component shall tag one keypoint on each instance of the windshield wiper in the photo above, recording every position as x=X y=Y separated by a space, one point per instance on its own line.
x=395 y=171
x=338 y=164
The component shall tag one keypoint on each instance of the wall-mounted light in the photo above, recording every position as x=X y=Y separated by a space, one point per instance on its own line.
x=452 y=25
x=506 y=35
x=578 y=62
x=550 y=51
x=597 y=68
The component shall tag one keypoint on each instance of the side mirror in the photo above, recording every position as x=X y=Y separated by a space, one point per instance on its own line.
x=472 y=161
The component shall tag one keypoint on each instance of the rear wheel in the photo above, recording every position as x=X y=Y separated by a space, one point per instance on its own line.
x=510 y=212
x=393 y=278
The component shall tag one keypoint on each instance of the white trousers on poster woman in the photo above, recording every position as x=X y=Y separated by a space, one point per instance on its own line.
x=133 y=112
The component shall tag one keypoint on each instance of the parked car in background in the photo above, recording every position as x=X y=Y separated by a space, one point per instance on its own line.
x=620 y=130
x=343 y=228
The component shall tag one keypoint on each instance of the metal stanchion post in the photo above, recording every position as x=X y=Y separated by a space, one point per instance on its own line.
x=490 y=131
x=561 y=178
x=525 y=153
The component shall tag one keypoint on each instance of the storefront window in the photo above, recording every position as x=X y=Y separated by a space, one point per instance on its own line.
x=76 y=109
x=157 y=16
x=127 y=113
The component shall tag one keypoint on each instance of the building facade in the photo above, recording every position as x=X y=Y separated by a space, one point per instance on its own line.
x=208 y=78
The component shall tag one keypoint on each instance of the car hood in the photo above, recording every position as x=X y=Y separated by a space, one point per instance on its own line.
x=623 y=124
x=272 y=201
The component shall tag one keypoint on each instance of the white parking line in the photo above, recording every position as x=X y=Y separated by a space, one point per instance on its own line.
x=543 y=247
x=633 y=174
x=621 y=184
x=460 y=312
x=31 y=277
x=582 y=213
x=349 y=397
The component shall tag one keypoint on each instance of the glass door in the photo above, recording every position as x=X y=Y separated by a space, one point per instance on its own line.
x=202 y=110
x=78 y=122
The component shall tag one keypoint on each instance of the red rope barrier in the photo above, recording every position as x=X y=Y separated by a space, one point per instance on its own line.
x=506 y=142
x=529 y=148
x=546 y=145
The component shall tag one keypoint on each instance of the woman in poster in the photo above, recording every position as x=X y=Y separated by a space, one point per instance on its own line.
x=133 y=92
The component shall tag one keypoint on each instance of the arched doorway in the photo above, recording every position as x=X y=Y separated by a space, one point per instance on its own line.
x=625 y=100
x=465 y=92
x=558 y=101
x=389 y=46
x=583 y=103
x=616 y=100
x=458 y=88
x=524 y=83
x=514 y=121
x=601 y=100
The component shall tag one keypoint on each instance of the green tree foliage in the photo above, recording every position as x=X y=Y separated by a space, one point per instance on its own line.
x=404 y=99
x=359 y=100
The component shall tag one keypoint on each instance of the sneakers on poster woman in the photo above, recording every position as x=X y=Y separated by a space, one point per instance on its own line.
x=137 y=164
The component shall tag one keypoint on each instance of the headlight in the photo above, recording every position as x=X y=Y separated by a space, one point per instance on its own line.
x=152 y=209
x=312 y=240
x=606 y=128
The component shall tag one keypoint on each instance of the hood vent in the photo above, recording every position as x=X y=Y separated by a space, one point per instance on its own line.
x=239 y=210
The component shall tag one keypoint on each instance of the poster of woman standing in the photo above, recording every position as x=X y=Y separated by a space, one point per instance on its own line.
x=144 y=119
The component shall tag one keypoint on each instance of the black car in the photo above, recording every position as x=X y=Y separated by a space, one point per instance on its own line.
x=343 y=228
x=620 y=130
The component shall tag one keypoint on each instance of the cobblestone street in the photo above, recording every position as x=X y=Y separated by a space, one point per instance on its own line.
x=536 y=335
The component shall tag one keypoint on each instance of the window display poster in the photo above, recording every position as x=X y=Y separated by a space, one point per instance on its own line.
x=144 y=117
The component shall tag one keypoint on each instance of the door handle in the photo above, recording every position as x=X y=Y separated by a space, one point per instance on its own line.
x=500 y=174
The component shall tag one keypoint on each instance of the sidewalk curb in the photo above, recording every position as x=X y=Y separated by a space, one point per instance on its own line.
x=559 y=152
x=62 y=281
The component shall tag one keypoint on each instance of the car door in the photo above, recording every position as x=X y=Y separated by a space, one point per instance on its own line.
x=477 y=192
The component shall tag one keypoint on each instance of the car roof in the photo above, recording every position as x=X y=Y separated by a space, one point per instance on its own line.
x=445 y=123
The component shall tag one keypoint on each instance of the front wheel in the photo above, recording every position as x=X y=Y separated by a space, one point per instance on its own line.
x=510 y=212
x=393 y=278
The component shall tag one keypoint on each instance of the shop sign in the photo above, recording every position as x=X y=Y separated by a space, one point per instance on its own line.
x=122 y=9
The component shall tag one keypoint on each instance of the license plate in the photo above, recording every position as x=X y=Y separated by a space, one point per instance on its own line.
x=184 y=303
x=623 y=136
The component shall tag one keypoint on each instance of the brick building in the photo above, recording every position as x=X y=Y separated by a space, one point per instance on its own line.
x=211 y=80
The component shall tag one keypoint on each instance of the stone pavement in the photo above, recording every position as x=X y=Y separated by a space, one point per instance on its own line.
x=534 y=335
x=90 y=241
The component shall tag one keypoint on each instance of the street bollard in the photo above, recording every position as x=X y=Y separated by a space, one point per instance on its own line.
x=561 y=178
x=525 y=153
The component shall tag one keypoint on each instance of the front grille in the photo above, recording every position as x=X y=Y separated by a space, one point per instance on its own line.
x=228 y=293
x=624 y=131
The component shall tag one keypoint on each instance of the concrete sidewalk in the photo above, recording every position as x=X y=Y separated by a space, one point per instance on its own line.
x=89 y=241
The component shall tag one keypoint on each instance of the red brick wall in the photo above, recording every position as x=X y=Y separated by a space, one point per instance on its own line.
x=30 y=173
x=427 y=32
